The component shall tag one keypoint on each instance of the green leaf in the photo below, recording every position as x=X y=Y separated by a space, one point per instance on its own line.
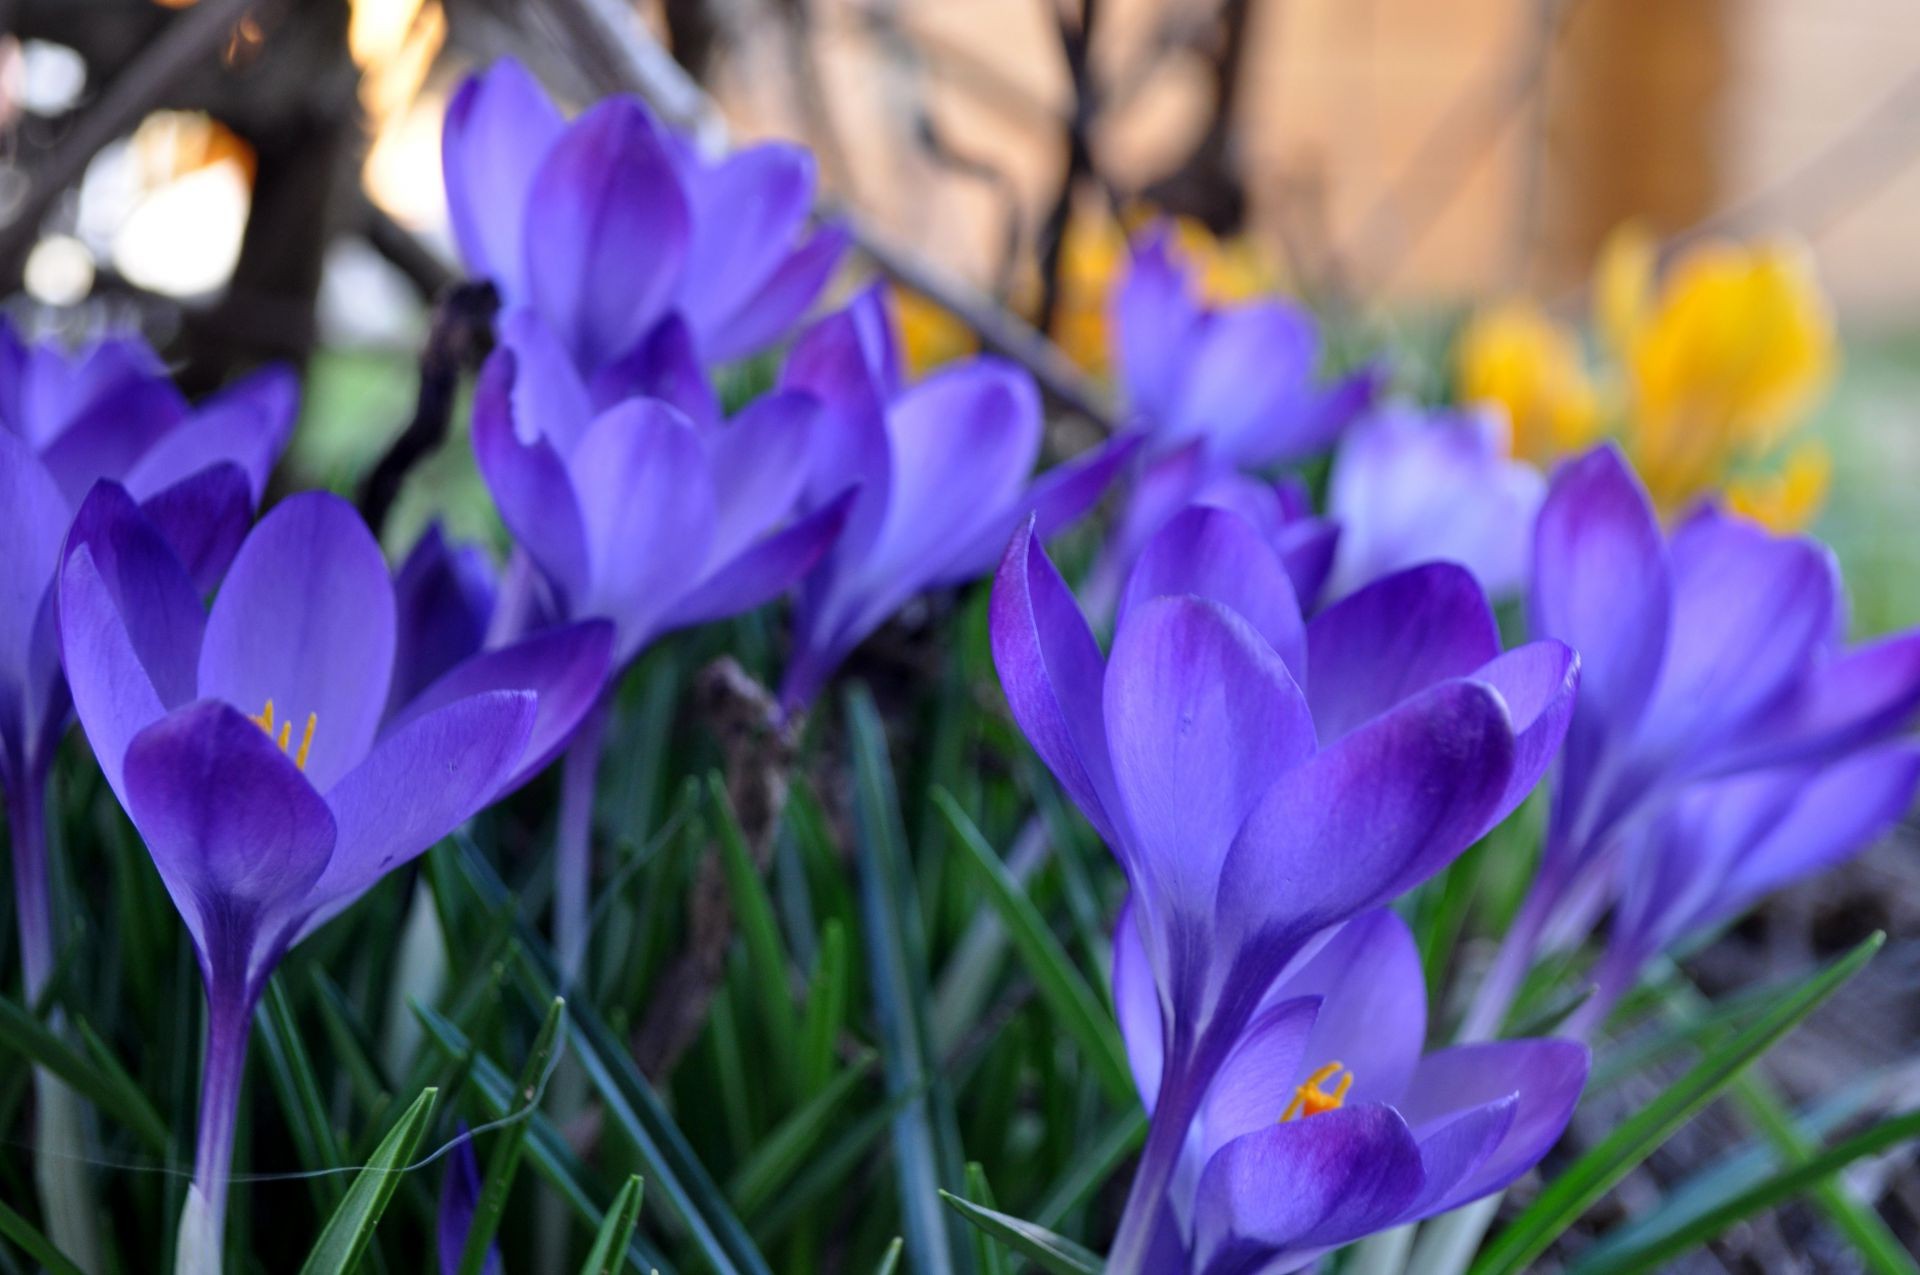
x=1092 y=1167
x=1052 y=1252
x=616 y=1232
x=350 y=1229
x=986 y=1253
x=298 y=1089
x=113 y=1092
x=894 y=941
x=890 y=1260
x=766 y=954
x=1590 y=1177
x=35 y=1245
x=1073 y=1003
x=781 y=1153
x=826 y=1015
x=503 y=1161
x=1656 y=1251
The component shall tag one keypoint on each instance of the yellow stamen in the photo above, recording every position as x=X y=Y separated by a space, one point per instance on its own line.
x=1309 y=1099
x=284 y=737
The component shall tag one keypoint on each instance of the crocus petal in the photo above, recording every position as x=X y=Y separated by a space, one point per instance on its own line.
x=1051 y=670
x=647 y=503
x=764 y=571
x=443 y=602
x=782 y=301
x=1213 y=554
x=664 y=366
x=306 y=619
x=1136 y=1004
x=498 y=129
x=1539 y=682
x=1241 y=384
x=1869 y=693
x=246 y=424
x=1307 y=550
x=759 y=465
x=111 y=691
x=110 y=430
x=1396 y=637
x=550 y=401
x=747 y=209
x=237 y=832
x=607 y=234
x=1367 y=818
x=418 y=784
x=565 y=667
x=155 y=600
x=1053 y=501
x=1546 y=1077
x=1253 y=1087
x=204 y=518
x=459 y=1197
x=1152 y=315
x=1308 y=1184
x=838 y=360
x=1373 y=1005
x=529 y=483
x=1749 y=610
x=1452 y=1150
x=1201 y=718
x=33 y=518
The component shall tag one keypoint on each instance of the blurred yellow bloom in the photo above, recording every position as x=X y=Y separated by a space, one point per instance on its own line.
x=1720 y=363
x=1790 y=497
x=930 y=334
x=1514 y=357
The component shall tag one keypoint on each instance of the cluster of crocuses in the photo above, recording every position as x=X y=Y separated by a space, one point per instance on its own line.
x=1271 y=773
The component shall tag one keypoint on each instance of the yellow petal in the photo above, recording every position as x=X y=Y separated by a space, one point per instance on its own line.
x=1515 y=358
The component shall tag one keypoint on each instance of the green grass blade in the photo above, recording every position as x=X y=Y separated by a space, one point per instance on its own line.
x=616 y=1232
x=298 y=1089
x=826 y=1015
x=28 y=1239
x=348 y=1232
x=1075 y=1006
x=890 y=921
x=1092 y=1167
x=503 y=1161
x=1574 y=1191
x=890 y=1260
x=1795 y=1180
x=766 y=954
x=783 y=1151
x=987 y=1253
x=110 y=1091
x=1050 y=1252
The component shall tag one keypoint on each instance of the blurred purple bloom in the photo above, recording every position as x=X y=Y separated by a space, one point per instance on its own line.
x=635 y=511
x=253 y=750
x=66 y=421
x=444 y=598
x=1259 y=778
x=1326 y=1123
x=607 y=224
x=459 y=1197
x=1412 y=486
x=939 y=473
x=1242 y=379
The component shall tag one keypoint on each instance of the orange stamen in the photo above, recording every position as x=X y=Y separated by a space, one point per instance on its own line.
x=1309 y=1099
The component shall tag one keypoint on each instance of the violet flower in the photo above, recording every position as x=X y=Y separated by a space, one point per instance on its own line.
x=444 y=600
x=940 y=474
x=1260 y=779
x=67 y=420
x=1326 y=1123
x=606 y=224
x=1707 y=651
x=252 y=747
x=1413 y=486
x=459 y=1198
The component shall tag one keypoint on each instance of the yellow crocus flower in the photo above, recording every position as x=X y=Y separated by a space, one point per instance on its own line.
x=1515 y=358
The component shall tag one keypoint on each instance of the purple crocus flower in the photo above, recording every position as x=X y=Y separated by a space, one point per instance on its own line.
x=1261 y=779
x=1242 y=379
x=606 y=224
x=444 y=598
x=1413 y=486
x=1708 y=651
x=940 y=474
x=252 y=746
x=459 y=1197
x=1326 y=1123
x=66 y=421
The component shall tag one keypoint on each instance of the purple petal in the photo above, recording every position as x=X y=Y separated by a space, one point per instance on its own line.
x=306 y=620
x=840 y=362
x=1053 y=501
x=246 y=424
x=647 y=503
x=1868 y=694
x=1308 y=1184
x=529 y=483
x=565 y=667
x=1136 y=1004
x=1307 y=550
x=763 y=571
x=1375 y=648
x=237 y=832
x=664 y=366
x=782 y=301
x=1051 y=670
x=423 y=780
x=1750 y=610
x=114 y=421
x=759 y=465
x=747 y=211
x=1539 y=682
x=111 y=691
x=155 y=601
x=33 y=518
x=443 y=603
x=606 y=234
x=1201 y=719
x=459 y=1197
x=1369 y=817
x=204 y=518
x=498 y=129
x=1270 y=1059
x=1373 y=1005
x=1243 y=383
x=1546 y=1077
x=550 y=401
x=1453 y=1149
x=1153 y=315
x=1217 y=555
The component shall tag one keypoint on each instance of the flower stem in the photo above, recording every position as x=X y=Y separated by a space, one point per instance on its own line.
x=202 y=1232
x=27 y=817
x=573 y=858
x=1134 y=1246
x=1488 y=1013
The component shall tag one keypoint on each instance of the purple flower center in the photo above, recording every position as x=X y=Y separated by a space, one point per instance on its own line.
x=1309 y=1099
x=285 y=736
